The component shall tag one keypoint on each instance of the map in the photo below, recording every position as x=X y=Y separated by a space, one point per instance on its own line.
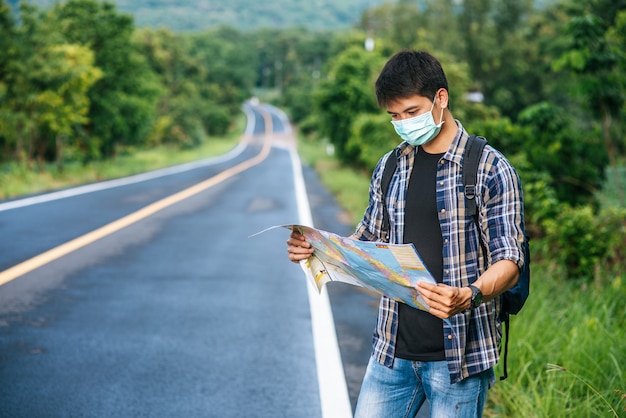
x=389 y=269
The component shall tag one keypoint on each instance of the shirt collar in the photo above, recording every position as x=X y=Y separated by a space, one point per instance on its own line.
x=457 y=147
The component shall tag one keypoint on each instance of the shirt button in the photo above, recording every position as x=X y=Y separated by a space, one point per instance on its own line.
x=447 y=272
x=441 y=183
x=443 y=211
x=445 y=241
x=450 y=336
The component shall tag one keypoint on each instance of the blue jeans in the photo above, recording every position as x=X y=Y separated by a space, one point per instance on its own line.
x=400 y=391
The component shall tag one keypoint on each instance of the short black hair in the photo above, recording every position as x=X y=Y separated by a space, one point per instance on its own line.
x=408 y=73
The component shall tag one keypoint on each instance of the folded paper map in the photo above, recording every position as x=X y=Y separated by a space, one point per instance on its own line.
x=389 y=269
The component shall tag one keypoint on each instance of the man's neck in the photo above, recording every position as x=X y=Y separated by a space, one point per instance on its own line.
x=444 y=139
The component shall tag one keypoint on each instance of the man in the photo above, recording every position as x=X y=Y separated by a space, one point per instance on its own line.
x=416 y=355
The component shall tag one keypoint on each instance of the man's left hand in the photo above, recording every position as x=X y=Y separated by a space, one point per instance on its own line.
x=445 y=301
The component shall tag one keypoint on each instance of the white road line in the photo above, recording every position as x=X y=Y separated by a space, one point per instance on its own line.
x=333 y=389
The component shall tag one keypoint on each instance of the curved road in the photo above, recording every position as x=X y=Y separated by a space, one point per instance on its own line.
x=145 y=296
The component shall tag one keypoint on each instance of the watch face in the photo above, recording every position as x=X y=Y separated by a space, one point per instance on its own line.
x=477 y=297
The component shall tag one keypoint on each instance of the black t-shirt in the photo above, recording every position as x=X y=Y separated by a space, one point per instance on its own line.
x=420 y=334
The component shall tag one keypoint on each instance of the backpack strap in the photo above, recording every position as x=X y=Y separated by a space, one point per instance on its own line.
x=471 y=158
x=390 y=168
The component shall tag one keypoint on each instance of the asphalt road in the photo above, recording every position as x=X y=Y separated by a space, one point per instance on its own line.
x=143 y=297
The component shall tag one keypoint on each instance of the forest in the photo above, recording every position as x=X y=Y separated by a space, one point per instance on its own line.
x=81 y=82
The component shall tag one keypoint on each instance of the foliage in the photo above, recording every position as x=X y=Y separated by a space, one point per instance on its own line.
x=577 y=327
x=346 y=93
x=597 y=63
x=553 y=138
x=370 y=138
x=16 y=179
x=79 y=83
x=123 y=100
x=294 y=61
x=587 y=244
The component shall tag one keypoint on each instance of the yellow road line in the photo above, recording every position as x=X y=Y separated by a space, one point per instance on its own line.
x=84 y=240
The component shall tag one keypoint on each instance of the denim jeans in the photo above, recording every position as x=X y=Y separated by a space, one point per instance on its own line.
x=400 y=391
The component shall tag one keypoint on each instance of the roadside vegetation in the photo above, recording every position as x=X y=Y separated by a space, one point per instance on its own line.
x=18 y=181
x=85 y=95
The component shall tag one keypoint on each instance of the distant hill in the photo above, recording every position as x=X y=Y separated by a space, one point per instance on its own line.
x=181 y=15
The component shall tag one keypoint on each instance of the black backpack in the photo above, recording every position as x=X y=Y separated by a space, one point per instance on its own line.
x=514 y=298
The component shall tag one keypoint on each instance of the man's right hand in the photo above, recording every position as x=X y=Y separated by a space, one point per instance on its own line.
x=298 y=248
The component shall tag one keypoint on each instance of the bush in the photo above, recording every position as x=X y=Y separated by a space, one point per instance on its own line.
x=555 y=138
x=585 y=243
x=370 y=138
x=508 y=138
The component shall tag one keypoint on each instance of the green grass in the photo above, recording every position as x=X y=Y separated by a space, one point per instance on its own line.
x=567 y=354
x=579 y=329
x=18 y=180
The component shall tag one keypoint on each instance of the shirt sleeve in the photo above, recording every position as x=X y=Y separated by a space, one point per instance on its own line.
x=504 y=211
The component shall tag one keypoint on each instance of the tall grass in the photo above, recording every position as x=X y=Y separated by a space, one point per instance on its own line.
x=567 y=354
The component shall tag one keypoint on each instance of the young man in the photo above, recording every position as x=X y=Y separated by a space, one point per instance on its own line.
x=416 y=355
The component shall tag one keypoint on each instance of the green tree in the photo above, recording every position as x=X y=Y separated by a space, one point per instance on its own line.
x=122 y=102
x=70 y=73
x=177 y=119
x=597 y=65
x=553 y=138
x=228 y=61
x=25 y=66
x=503 y=55
x=7 y=41
x=303 y=55
x=346 y=93
x=370 y=138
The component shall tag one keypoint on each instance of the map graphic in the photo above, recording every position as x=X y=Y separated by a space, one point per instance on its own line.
x=389 y=269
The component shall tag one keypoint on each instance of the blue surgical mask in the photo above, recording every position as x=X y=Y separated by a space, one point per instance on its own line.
x=420 y=129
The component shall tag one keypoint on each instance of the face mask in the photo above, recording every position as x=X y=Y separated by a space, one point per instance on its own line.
x=420 y=129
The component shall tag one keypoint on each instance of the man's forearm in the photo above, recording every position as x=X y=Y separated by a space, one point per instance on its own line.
x=497 y=279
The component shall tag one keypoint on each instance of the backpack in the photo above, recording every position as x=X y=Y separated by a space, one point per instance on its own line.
x=513 y=299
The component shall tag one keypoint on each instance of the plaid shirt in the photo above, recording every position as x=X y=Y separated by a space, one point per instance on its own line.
x=471 y=338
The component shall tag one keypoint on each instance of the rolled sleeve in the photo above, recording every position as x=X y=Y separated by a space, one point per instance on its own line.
x=503 y=208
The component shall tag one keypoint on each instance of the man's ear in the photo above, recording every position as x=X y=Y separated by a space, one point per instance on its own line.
x=442 y=97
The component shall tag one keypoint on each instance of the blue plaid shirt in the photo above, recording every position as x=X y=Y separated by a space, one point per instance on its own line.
x=471 y=339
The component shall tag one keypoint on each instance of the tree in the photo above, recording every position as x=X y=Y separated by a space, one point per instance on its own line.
x=552 y=139
x=25 y=63
x=346 y=93
x=70 y=73
x=122 y=102
x=7 y=40
x=591 y=57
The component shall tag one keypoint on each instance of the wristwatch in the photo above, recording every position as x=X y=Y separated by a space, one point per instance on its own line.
x=477 y=297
